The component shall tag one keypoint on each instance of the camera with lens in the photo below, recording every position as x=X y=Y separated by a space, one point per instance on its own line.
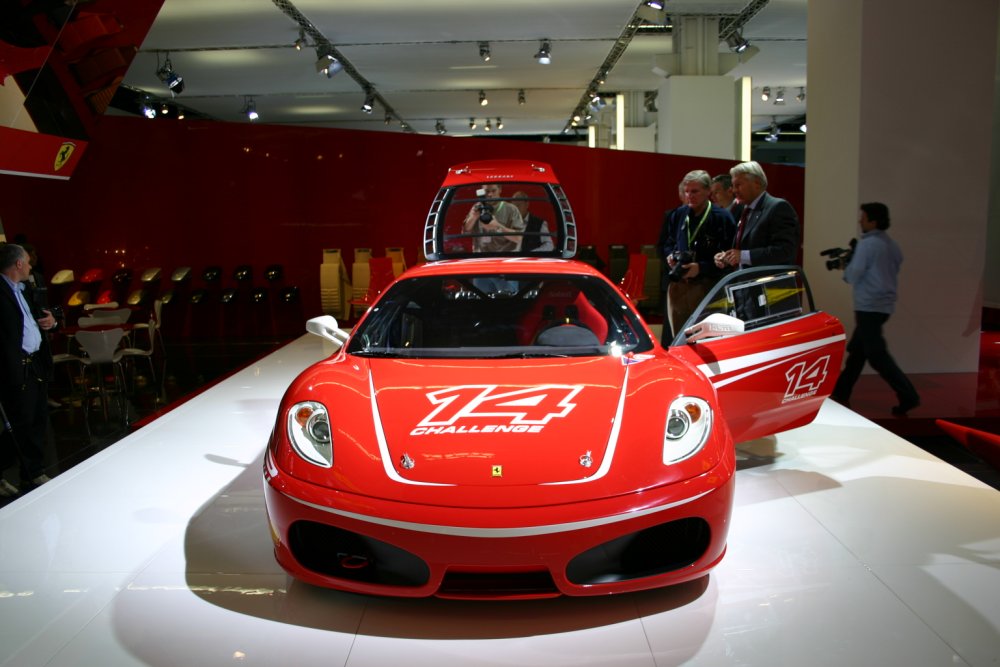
x=484 y=207
x=839 y=257
x=681 y=257
x=485 y=212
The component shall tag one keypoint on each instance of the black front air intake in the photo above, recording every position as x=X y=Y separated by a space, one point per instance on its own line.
x=340 y=553
x=656 y=550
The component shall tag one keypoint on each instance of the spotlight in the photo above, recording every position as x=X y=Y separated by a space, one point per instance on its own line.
x=180 y=113
x=388 y=119
x=765 y=94
x=167 y=75
x=439 y=127
x=487 y=127
x=250 y=109
x=499 y=123
x=482 y=98
x=147 y=108
x=164 y=109
x=369 y=102
x=779 y=97
x=544 y=55
x=801 y=97
x=327 y=64
x=602 y=77
x=736 y=43
x=520 y=96
x=484 y=51
x=472 y=123
x=301 y=41
x=772 y=131
x=655 y=4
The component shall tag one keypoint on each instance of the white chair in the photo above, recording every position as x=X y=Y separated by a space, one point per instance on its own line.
x=113 y=315
x=101 y=348
x=87 y=307
x=155 y=321
x=147 y=352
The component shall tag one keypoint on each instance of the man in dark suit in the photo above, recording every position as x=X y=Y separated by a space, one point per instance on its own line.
x=25 y=367
x=768 y=230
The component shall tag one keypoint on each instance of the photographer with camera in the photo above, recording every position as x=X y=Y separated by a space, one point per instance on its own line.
x=690 y=237
x=499 y=220
x=872 y=271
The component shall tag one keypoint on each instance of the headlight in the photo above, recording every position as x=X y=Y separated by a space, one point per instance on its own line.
x=309 y=433
x=689 y=421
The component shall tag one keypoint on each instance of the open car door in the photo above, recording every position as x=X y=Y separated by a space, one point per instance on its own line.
x=771 y=357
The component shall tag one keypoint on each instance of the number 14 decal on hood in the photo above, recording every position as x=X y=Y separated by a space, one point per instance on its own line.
x=534 y=405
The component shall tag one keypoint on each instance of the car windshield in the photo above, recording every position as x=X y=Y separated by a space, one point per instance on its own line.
x=500 y=316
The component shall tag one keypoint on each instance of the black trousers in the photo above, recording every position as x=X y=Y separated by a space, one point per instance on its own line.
x=867 y=344
x=26 y=403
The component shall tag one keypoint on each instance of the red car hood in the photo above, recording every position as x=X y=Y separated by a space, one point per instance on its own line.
x=534 y=422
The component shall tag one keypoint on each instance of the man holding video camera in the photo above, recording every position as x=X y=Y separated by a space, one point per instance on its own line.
x=872 y=271
x=690 y=237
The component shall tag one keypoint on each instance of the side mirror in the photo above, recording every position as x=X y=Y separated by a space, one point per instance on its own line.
x=326 y=327
x=715 y=325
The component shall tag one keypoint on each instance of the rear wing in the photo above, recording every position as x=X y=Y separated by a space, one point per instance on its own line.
x=457 y=224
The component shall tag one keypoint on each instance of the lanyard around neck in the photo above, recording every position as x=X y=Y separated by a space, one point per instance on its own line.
x=687 y=224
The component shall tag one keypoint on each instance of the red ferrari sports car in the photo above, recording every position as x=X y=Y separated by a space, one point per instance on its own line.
x=502 y=423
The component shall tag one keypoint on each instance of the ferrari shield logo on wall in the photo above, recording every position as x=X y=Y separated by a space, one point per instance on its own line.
x=63 y=155
x=498 y=471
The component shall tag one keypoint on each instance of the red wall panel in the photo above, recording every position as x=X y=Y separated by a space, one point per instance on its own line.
x=175 y=193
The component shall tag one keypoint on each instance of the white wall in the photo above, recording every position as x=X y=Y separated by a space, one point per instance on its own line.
x=880 y=129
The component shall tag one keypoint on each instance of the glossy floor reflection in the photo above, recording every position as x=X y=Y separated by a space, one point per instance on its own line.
x=848 y=546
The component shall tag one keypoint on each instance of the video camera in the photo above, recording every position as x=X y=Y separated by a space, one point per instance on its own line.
x=839 y=257
x=681 y=257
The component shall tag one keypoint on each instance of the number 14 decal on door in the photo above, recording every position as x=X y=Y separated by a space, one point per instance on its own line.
x=804 y=381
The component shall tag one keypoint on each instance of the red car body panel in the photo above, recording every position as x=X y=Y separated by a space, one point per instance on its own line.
x=516 y=470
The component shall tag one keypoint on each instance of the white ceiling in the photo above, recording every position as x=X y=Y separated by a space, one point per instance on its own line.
x=422 y=58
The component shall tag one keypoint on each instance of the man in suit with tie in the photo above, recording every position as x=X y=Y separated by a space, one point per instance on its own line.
x=768 y=230
x=25 y=366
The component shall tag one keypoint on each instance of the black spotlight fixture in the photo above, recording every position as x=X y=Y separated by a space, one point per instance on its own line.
x=174 y=81
x=482 y=98
x=736 y=43
x=544 y=55
x=439 y=127
x=520 y=97
x=326 y=63
x=250 y=108
x=146 y=108
x=300 y=43
x=484 y=51
x=369 y=102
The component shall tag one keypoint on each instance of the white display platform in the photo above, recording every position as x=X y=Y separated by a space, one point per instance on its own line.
x=848 y=546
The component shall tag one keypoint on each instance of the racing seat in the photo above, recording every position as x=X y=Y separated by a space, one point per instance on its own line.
x=380 y=277
x=633 y=283
x=560 y=302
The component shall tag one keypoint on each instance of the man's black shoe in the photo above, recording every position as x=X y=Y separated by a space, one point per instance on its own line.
x=904 y=407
